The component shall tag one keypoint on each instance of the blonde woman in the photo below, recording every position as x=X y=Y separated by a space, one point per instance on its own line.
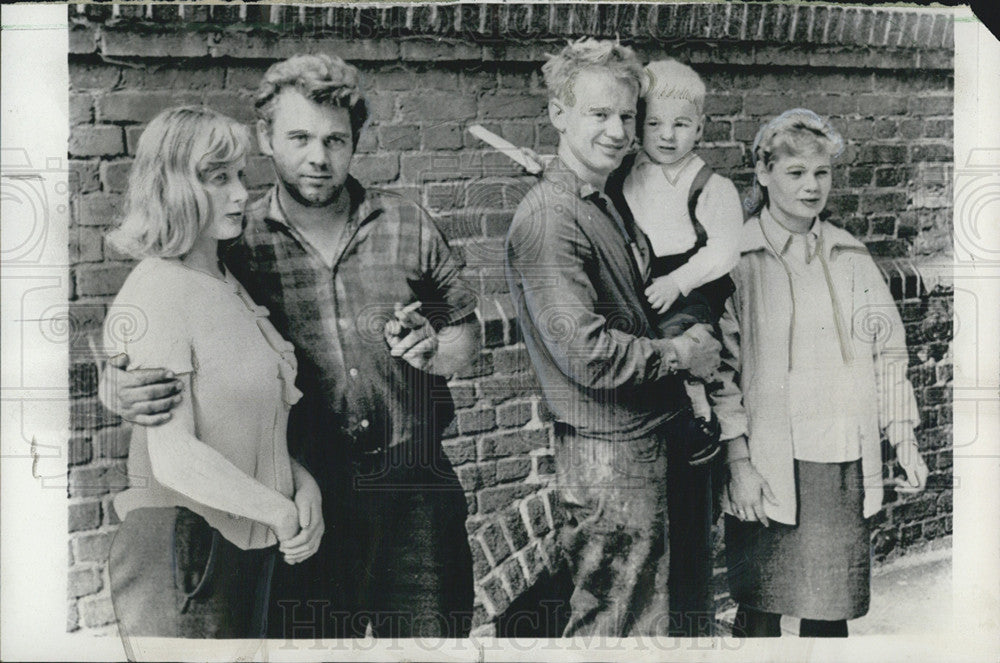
x=819 y=354
x=213 y=492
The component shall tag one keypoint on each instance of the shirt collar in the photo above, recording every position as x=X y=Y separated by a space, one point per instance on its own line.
x=672 y=171
x=830 y=237
x=781 y=238
x=560 y=174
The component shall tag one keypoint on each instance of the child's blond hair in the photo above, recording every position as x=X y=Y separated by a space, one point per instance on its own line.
x=669 y=78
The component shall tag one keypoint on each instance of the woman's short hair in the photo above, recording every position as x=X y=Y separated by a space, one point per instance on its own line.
x=166 y=205
x=796 y=131
x=669 y=78
x=321 y=78
x=589 y=53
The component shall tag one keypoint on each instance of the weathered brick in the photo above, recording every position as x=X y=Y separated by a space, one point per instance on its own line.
x=468 y=476
x=117 y=43
x=890 y=176
x=932 y=152
x=96 y=140
x=841 y=204
x=86 y=244
x=493 y=541
x=113 y=441
x=72 y=618
x=104 y=279
x=883 y=224
x=404 y=79
x=533 y=512
x=518 y=385
x=92 y=76
x=83 y=581
x=828 y=104
x=475 y=421
x=87 y=413
x=883 y=201
x=462 y=450
x=924 y=104
x=480 y=366
x=480 y=565
x=500 y=497
x=442 y=136
x=236 y=105
x=90 y=481
x=722 y=105
x=92 y=547
x=96 y=611
x=502 y=445
x=135 y=106
x=882 y=153
x=717 y=131
x=880 y=105
x=511 y=360
x=515 y=577
x=494 y=106
x=98 y=209
x=184 y=76
x=399 y=137
x=114 y=175
x=83 y=176
x=449 y=196
x=496 y=594
x=81 y=108
x=939 y=128
x=512 y=469
x=84 y=515
x=375 y=168
x=439 y=166
x=513 y=525
x=512 y=415
x=80 y=450
x=424 y=106
x=722 y=158
x=415 y=51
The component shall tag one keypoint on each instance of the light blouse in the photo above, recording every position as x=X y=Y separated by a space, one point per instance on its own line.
x=242 y=375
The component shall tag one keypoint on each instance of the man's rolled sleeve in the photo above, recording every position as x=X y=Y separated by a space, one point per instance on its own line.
x=452 y=299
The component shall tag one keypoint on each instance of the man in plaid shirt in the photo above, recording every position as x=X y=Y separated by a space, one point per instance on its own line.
x=367 y=289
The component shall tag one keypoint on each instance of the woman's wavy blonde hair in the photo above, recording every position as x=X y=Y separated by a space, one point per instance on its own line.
x=796 y=131
x=166 y=206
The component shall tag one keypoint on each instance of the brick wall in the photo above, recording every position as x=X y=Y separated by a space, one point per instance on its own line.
x=884 y=77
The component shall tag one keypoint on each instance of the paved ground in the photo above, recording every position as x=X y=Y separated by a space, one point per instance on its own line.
x=909 y=595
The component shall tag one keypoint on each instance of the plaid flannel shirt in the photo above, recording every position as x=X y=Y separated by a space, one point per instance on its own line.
x=357 y=397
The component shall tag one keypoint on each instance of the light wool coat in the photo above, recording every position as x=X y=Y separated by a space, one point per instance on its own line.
x=774 y=401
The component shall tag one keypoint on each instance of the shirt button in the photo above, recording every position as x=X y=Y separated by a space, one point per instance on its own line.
x=353 y=372
x=343 y=323
x=364 y=423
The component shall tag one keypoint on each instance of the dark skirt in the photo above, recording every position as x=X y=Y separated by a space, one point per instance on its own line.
x=819 y=568
x=173 y=575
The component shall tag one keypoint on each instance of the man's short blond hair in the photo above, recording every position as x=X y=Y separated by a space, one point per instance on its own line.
x=589 y=53
x=670 y=79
